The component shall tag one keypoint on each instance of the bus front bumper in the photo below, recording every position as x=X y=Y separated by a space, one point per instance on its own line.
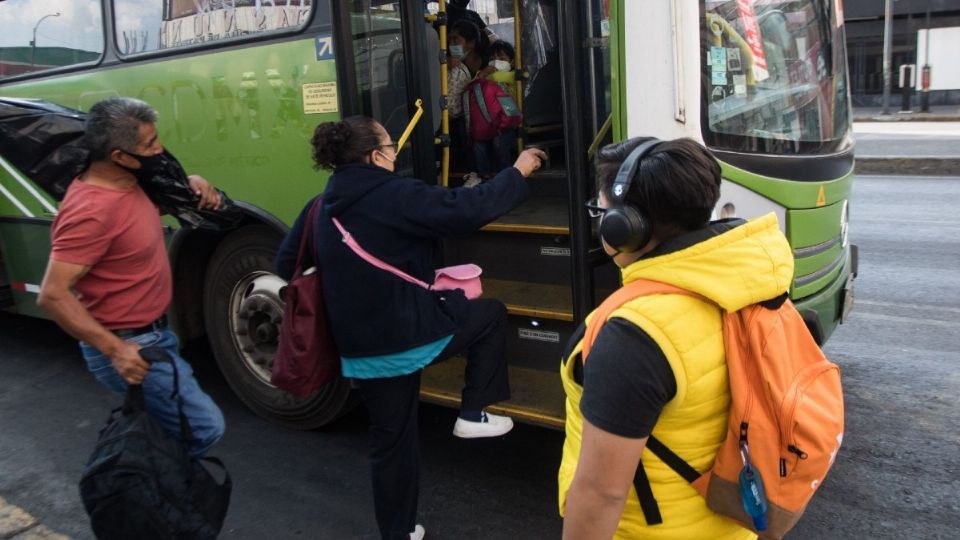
x=832 y=305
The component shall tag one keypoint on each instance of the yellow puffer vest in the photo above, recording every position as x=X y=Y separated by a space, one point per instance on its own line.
x=693 y=424
x=688 y=331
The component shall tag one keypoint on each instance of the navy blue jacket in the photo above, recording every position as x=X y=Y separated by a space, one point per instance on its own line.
x=399 y=220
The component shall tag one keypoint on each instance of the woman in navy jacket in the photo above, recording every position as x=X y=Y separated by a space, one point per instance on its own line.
x=387 y=329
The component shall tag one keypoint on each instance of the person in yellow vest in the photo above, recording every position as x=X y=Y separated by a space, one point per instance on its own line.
x=657 y=366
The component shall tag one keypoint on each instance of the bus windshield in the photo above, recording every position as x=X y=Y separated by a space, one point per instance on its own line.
x=774 y=75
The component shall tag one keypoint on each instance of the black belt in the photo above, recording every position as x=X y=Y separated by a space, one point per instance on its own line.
x=125 y=333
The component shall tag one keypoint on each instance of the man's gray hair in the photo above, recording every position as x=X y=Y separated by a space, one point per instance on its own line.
x=114 y=123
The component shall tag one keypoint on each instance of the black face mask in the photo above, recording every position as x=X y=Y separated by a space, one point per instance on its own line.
x=149 y=165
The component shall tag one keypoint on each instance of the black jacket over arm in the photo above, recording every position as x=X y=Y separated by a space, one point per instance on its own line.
x=399 y=220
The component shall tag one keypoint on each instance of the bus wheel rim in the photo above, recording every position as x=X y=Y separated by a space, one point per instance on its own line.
x=256 y=310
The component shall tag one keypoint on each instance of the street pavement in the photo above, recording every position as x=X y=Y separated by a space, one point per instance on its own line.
x=896 y=475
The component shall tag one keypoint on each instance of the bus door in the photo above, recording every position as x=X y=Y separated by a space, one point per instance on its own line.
x=536 y=258
x=390 y=44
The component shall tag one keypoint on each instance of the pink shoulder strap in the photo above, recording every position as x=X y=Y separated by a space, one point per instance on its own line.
x=370 y=258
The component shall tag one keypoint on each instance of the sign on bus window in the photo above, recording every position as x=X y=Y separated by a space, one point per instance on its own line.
x=39 y=35
x=153 y=25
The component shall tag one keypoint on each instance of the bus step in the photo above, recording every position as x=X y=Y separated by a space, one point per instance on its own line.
x=527 y=299
x=537 y=258
x=538 y=215
x=537 y=396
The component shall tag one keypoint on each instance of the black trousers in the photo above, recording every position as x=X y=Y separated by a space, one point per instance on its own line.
x=392 y=403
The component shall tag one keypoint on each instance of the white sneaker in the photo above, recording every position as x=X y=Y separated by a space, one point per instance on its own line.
x=418 y=532
x=491 y=425
x=472 y=180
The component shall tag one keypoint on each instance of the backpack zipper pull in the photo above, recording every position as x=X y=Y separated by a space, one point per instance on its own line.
x=794 y=450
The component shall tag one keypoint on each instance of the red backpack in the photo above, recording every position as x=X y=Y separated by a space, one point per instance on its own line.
x=785 y=421
x=489 y=110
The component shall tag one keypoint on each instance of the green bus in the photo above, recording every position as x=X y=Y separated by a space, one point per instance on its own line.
x=240 y=84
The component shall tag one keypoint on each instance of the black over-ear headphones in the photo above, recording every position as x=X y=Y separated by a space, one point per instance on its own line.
x=626 y=227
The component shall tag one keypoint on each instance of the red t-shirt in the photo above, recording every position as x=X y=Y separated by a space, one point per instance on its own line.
x=117 y=232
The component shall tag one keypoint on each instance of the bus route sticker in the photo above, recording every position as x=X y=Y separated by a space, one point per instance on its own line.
x=320 y=98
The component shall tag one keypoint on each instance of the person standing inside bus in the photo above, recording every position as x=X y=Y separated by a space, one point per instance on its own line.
x=658 y=365
x=467 y=55
x=386 y=329
x=108 y=281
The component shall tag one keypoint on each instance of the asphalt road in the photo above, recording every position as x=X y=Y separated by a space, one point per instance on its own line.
x=897 y=475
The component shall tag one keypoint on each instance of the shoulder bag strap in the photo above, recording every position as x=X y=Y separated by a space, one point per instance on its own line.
x=307 y=236
x=370 y=258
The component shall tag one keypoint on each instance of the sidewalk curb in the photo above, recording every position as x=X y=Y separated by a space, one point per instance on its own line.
x=918 y=166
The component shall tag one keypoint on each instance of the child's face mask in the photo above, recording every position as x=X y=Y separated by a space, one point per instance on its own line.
x=501 y=65
x=456 y=51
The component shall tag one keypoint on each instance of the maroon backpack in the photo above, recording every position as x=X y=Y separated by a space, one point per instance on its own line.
x=489 y=110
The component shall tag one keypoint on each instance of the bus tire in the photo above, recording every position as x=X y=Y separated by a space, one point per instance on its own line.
x=242 y=314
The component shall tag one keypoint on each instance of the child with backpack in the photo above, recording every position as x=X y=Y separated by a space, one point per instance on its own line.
x=490 y=107
x=698 y=403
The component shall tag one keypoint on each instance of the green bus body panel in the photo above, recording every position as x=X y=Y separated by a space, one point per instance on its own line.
x=815 y=226
x=790 y=193
x=227 y=115
x=24 y=197
x=827 y=303
x=804 y=266
x=30 y=241
x=618 y=80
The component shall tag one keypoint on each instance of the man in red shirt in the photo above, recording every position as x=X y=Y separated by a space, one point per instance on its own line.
x=108 y=282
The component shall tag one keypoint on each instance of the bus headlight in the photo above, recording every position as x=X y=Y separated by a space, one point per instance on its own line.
x=845 y=224
x=728 y=210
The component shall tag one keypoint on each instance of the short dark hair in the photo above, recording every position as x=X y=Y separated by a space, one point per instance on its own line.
x=114 y=123
x=471 y=32
x=504 y=47
x=677 y=183
x=344 y=142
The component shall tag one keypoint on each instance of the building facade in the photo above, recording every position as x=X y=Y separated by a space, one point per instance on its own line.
x=911 y=19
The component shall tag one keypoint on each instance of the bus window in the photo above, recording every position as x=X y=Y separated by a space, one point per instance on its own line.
x=43 y=35
x=151 y=25
x=774 y=78
x=379 y=62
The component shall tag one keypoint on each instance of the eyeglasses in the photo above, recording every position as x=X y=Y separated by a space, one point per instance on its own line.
x=389 y=145
x=594 y=209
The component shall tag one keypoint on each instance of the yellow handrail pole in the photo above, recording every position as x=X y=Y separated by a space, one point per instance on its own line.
x=517 y=34
x=604 y=129
x=413 y=123
x=444 y=112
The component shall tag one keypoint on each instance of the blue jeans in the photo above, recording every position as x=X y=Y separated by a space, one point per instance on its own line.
x=206 y=420
x=496 y=154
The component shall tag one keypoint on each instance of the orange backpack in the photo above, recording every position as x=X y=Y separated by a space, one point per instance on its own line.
x=785 y=419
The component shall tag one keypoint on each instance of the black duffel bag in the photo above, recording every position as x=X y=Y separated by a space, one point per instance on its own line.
x=141 y=482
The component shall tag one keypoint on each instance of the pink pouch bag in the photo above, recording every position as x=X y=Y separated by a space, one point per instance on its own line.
x=461 y=276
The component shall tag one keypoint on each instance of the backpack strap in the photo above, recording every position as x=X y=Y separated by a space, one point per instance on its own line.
x=630 y=291
x=482 y=102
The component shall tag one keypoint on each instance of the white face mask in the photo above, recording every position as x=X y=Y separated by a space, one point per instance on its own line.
x=501 y=65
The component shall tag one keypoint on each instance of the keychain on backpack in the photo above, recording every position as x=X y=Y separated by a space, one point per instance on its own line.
x=751 y=491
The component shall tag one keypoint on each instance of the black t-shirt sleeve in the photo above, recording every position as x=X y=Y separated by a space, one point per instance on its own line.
x=627 y=381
